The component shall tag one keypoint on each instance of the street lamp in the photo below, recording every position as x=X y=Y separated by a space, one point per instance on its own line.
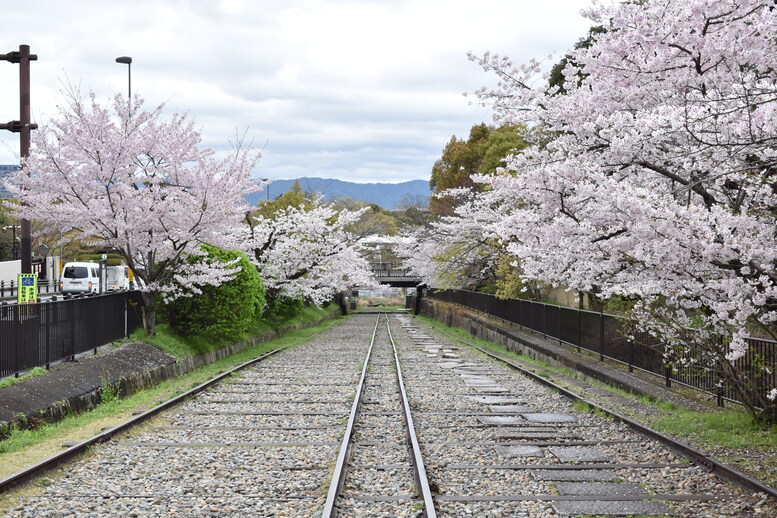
x=267 y=187
x=127 y=61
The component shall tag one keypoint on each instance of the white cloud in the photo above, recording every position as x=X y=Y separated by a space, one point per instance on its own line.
x=358 y=90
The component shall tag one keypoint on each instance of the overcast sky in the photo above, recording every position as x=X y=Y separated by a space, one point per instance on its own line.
x=365 y=91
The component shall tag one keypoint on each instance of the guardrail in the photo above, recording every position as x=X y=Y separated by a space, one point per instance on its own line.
x=617 y=338
x=10 y=288
x=390 y=269
x=35 y=335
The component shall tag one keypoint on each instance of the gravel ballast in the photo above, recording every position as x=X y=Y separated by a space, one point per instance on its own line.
x=495 y=444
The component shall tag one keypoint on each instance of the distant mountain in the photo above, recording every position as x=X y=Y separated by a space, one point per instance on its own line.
x=387 y=195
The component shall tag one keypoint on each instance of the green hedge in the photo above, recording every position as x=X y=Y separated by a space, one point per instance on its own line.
x=220 y=312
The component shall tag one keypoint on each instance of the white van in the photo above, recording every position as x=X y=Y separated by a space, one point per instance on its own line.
x=80 y=278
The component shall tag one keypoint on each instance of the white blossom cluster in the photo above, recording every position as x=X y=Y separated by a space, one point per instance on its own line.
x=307 y=252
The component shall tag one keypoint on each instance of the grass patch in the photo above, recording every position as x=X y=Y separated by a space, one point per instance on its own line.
x=37 y=371
x=581 y=406
x=185 y=346
x=730 y=428
x=23 y=448
x=729 y=435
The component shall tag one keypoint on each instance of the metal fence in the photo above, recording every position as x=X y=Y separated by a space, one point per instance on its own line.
x=619 y=339
x=389 y=269
x=10 y=288
x=33 y=335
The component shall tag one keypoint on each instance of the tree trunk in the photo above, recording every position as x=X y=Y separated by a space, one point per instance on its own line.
x=149 y=313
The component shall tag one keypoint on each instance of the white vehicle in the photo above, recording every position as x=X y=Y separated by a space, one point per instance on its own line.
x=117 y=278
x=80 y=278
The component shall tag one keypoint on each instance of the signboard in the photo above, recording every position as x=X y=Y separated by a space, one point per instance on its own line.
x=27 y=288
x=5 y=171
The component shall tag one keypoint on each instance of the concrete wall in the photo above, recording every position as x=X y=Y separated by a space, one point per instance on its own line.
x=570 y=298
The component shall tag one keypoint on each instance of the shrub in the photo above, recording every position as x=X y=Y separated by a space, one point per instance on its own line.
x=283 y=308
x=220 y=312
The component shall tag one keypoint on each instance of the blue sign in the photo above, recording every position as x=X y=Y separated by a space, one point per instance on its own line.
x=28 y=281
x=5 y=171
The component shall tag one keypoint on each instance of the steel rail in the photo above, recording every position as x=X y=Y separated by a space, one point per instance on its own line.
x=421 y=478
x=698 y=457
x=58 y=459
x=338 y=476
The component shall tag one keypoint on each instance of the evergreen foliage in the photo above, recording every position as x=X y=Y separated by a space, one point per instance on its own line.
x=222 y=311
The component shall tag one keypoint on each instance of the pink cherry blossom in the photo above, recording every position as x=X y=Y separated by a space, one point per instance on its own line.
x=653 y=175
x=119 y=177
x=307 y=252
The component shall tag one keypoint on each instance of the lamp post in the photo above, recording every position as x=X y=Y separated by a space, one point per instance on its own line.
x=127 y=61
x=267 y=187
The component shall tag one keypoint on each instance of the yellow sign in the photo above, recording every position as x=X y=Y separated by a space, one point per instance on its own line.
x=27 y=288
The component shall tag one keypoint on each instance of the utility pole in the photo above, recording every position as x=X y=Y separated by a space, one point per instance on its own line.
x=23 y=127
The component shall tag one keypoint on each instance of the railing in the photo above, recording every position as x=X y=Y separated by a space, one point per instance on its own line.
x=390 y=269
x=10 y=288
x=33 y=335
x=617 y=338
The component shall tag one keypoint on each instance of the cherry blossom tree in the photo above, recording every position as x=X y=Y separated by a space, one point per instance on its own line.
x=124 y=178
x=656 y=176
x=455 y=251
x=306 y=253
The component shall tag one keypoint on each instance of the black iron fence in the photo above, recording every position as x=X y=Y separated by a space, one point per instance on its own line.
x=33 y=335
x=619 y=339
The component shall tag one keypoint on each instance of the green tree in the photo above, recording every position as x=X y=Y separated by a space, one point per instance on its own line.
x=413 y=217
x=557 y=72
x=482 y=153
x=6 y=241
x=220 y=312
x=501 y=142
x=376 y=221
x=294 y=197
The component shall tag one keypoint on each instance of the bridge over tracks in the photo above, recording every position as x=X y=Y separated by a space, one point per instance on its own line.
x=393 y=274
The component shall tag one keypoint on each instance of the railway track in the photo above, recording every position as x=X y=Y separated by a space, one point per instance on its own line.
x=380 y=469
x=498 y=444
x=380 y=417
